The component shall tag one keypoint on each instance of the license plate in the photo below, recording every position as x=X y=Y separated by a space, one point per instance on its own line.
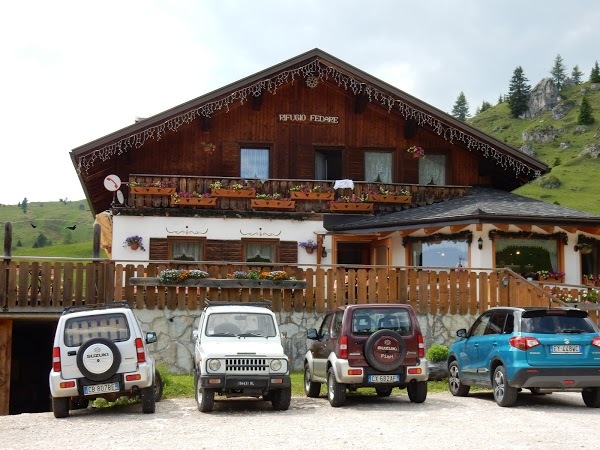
x=383 y=378
x=565 y=349
x=100 y=388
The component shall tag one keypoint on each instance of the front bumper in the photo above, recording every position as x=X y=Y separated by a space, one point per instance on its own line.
x=557 y=378
x=406 y=374
x=245 y=383
x=145 y=372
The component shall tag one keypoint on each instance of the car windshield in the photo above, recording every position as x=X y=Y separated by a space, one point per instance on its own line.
x=556 y=321
x=240 y=325
x=366 y=321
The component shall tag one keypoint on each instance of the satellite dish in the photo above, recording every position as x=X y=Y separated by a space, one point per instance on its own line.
x=112 y=183
x=120 y=197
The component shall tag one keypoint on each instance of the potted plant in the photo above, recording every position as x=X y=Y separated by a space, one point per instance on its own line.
x=134 y=242
x=416 y=152
x=556 y=276
x=219 y=189
x=272 y=201
x=384 y=195
x=193 y=198
x=351 y=203
x=152 y=187
x=308 y=245
x=208 y=147
x=317 y=192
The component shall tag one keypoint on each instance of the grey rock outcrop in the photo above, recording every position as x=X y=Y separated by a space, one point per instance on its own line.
x=549 y=182
x=528 y=150
x=593 y=151
x=561 y=110
x=543 y=97
x=540 y=135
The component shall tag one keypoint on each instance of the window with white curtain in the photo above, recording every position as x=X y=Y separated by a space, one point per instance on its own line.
x=186 y=250
x=254 y=163
x=378 y=167
x=526 y=256
x=432 y=169
x=260 y=251
x=445 y=253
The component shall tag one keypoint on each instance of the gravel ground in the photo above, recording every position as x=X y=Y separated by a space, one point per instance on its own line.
x=555 y=421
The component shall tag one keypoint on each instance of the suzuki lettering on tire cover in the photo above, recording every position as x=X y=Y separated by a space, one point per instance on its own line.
x=385 y=350
x=98 y=359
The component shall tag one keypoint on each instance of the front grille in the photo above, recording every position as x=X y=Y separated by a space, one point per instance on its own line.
x=245 y=365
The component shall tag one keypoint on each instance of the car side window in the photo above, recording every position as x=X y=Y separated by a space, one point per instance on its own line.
x=478 y=328
x=496 y=323
x=337 y=325
x=324 y=330
x=509 y=325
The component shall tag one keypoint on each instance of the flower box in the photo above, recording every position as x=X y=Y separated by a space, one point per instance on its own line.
x=194 y=201
x=387 y=198
x=299 y=195
x=243 y=193
x=272 y=204
x=229 y=283
x=142 y=190
x=350 y=207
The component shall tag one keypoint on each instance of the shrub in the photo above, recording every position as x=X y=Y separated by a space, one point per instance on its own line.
x=437 y=353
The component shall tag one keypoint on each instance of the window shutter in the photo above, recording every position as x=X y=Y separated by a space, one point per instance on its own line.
x=158 y=249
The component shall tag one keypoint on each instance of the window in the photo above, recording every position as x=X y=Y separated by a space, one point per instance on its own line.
x=324 y=329
x=254 y=163
x=113 y=327
x=378 y=167
x=328 y=165
x=432 y=169
x=526 y=256
x=260 y=250
x=478 y=328
x=186 y=249
x=440 y=254
x=496 y=325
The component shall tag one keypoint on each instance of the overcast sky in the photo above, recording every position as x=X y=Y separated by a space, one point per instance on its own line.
x=74 y=71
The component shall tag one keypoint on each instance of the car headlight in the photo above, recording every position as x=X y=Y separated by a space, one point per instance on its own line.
x=276 y=365
x=214 y=364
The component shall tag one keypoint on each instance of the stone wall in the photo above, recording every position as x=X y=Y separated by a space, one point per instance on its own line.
x=174 y=348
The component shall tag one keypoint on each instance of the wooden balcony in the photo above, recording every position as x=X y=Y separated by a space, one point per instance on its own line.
x=419 y=195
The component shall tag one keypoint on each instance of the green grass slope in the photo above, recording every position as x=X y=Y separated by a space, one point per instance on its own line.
x=579 y=177
x=51 y=220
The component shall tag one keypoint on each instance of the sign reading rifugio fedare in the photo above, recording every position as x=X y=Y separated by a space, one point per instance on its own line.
x=309 y=118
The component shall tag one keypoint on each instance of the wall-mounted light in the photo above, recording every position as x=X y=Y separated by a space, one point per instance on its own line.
x=324 y=253
x=585 y=249
x=480 y=243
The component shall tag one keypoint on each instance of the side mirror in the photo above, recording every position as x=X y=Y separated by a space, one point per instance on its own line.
x=311 y=333
x=151 y=337
x=462 y=333
x=194 y=336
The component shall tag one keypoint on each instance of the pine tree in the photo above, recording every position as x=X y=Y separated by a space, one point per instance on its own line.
x=461 y=108
x=595 y=73
x=518 y=93
x=23 y=205
x=585 y=113
x=576 y=75
x=558 y=72
x=485 y=106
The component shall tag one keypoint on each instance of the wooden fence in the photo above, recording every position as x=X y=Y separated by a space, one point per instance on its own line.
x=55 y=285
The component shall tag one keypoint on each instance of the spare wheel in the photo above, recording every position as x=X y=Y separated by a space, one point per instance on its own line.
x=98 y=359
x=385 y=350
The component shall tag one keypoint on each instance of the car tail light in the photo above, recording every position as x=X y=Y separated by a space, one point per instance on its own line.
x=139 y=347
x=421 y=345
x=56 y=359
x=523 y=342
x=344 y=347
x=596 y=341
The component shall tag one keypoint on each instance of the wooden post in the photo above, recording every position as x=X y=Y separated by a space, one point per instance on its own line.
x=5 y=362
x=7 y=255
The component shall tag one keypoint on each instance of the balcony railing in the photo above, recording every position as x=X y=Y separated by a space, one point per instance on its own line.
x=418 y=195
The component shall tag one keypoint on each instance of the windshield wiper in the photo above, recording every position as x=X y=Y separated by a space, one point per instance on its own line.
x=572 y=331
x=224 y=334
x=249 y=335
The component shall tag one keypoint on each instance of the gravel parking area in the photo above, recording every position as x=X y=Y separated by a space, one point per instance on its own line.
x=554 y=421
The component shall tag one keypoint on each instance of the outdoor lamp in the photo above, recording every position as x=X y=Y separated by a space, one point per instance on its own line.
x=480 y=243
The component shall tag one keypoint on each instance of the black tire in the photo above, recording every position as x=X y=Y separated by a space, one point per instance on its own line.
x=148 y=400
x=336 y=392
x=60 y=407
x=158 y=386
x=504 y=394
x=115 y=354
x=79 y=403
x=591 y=397
x=281 y=399
x=383 y=391
x=454 y=384
x=417 y=391
x=370 y=353
x=311 y=389
x=205 y=398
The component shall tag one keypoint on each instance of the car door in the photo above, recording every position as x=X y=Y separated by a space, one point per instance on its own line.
x=468 y=357
x=319 y=347
x=487 y=345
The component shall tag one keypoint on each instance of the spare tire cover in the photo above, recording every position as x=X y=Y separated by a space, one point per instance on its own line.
x=385 y=350
x=98 y=359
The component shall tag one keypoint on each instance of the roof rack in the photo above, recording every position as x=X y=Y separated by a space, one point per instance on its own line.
x=72 y=309
x=264 y=304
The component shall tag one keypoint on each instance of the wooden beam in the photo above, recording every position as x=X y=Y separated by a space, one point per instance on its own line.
x=205 y=124
x=5 y=364
x=457 y=228
x=430 y=231
x=524 y=227
x=479 y=227
x=502 y=226
x=590 y=230
x=546 y=228
x=360 y=103
x=569 y=229
x=257 y=102
x=410 y=128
